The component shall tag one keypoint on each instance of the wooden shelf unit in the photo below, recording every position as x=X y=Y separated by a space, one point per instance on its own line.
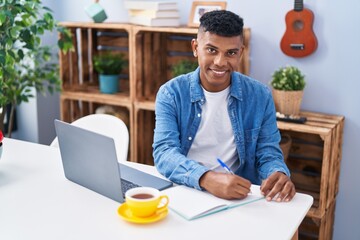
x=314 y=163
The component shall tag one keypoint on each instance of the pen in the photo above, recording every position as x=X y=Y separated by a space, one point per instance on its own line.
x=222 y=164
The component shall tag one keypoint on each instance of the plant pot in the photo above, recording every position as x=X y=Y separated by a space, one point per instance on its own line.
x=288 y=102
x=109 y=83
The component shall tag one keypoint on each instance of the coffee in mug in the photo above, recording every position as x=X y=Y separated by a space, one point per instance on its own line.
x=146 y=201
x=142 y=196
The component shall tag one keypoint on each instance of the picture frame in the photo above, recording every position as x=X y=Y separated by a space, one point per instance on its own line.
x=199 y=8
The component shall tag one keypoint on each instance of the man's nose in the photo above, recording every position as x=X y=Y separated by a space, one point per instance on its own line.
x=220 y=60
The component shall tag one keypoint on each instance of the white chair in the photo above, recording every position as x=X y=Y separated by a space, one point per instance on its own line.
x=107 y=125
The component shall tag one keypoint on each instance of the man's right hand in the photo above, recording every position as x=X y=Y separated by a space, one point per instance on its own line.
x=225 y=185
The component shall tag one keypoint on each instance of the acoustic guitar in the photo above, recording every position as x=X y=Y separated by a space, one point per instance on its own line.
x=299 y=39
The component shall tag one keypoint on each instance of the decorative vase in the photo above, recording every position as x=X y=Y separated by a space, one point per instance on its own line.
x=109 y=83
x=288 y=102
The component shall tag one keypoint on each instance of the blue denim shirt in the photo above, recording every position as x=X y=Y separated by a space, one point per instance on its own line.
x=252 y=115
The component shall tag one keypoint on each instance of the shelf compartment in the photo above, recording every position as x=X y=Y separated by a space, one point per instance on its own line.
x=318 y=228
x=314 y=157
x=89 y=39
x=75 y=106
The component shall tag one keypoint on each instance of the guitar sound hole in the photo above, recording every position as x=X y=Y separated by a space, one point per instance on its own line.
x=298 y=25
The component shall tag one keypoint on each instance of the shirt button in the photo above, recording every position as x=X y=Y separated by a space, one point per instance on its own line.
x=190 y=138
x=199 y=115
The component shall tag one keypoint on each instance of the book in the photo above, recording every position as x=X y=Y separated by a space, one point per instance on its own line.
x=155 y=13
x=192 y=204
x=154 y=5
x=155 y=22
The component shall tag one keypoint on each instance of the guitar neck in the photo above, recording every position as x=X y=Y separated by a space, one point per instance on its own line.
x=298 y=5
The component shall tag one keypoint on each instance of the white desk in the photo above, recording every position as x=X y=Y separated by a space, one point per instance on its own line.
x=37 y=202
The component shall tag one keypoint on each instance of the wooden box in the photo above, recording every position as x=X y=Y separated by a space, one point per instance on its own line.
x=156 y=53
x=318 y=228
x=314 y=158
x=89 y=39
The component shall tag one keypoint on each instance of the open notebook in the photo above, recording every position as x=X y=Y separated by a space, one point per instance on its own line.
x=192 y=204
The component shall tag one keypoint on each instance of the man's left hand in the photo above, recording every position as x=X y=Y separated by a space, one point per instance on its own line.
x=278 y=185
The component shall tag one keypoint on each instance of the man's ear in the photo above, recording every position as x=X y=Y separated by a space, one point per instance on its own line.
x=194 y=45
x=242 y=50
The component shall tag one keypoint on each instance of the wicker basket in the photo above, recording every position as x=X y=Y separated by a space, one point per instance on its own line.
x=285 y=145
x=288 y=102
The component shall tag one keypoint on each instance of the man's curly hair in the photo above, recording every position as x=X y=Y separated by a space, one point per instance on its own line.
x=222 y=22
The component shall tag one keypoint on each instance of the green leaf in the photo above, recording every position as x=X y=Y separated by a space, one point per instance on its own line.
x=40 y=30
x=25 y=35
x=33 y=29
x=48 y=18
x=15 y=32
x=47 y=9
x=12 y=54
x=2 y=57
x=9 y=43
x=20 y=53
x=2 y=17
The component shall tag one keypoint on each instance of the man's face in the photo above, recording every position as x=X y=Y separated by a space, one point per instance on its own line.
x=218 y=57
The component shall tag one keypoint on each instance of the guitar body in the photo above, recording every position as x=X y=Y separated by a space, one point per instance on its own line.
x=299 y=39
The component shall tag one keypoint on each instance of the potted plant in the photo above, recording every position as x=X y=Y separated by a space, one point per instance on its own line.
x=183 y=66
x=24 y=62
x=109 y=66
x=288 y=84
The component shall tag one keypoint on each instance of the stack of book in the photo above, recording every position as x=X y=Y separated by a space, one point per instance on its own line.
x=153 y=13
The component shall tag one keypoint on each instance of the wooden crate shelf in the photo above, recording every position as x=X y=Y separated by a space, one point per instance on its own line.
x=314 y=162
x=314 y=158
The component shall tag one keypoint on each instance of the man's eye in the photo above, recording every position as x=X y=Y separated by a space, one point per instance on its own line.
x=211 y=50
x=232 y=53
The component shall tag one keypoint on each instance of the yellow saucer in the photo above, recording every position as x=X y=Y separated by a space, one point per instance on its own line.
x=125 y=213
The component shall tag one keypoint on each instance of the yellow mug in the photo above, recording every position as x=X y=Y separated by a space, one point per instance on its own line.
x=145 y=201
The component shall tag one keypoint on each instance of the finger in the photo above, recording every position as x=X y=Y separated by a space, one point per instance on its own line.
x=285 y=191
x=244 y=183
x=291 y=195
x=268 y=184
x=278 y=186
x=240 y=188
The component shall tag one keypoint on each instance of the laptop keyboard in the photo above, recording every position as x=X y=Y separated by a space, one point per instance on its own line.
x=126 y=185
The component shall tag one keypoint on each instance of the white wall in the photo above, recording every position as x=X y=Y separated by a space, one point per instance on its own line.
x=332 y=72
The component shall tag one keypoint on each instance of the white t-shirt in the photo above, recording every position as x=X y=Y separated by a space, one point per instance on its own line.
x=215 y=138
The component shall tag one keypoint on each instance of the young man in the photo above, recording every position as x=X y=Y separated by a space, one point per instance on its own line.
x=216 y=112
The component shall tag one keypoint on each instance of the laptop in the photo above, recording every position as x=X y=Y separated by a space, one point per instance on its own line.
x=89 y=159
